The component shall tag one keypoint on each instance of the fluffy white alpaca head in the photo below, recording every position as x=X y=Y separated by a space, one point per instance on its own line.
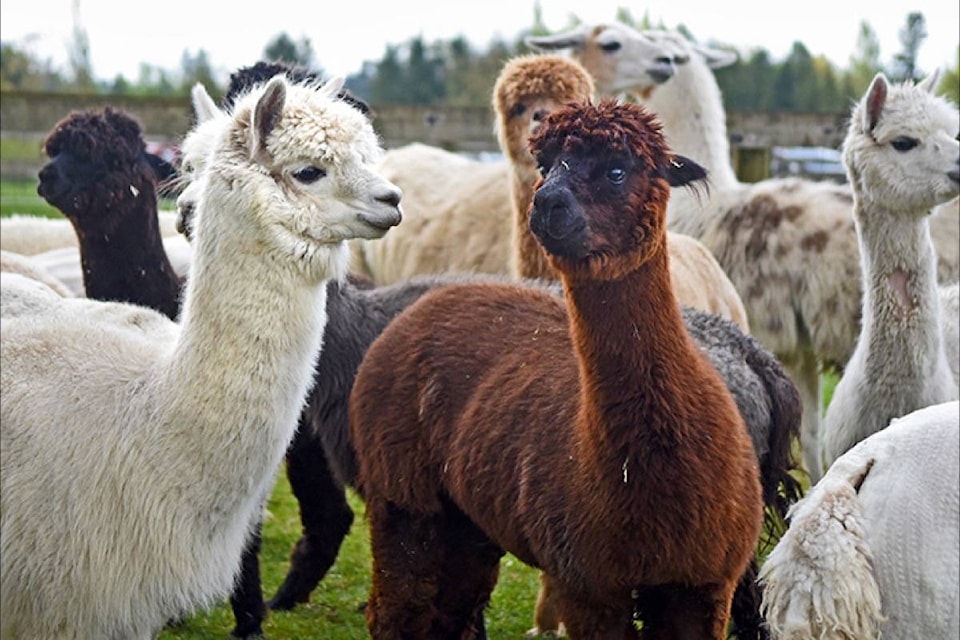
x=622 y=59
x=901 y=151
x=303 y=161
x=194 y=150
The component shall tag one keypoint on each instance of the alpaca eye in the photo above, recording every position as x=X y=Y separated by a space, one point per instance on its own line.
x=543 y=170
x=903 y=143
x=681 y=59
x=309 y=175
x=616 y=175
x=517 y=110
x=610 y=47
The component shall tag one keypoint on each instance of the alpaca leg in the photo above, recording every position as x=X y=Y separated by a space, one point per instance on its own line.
x=610 y=620
x=325 y=515
x=546 y=614
x=805 y=371
x=246 y=600
x=471 y=565
x=684 y=613
x=746 y=620
x=406 y=567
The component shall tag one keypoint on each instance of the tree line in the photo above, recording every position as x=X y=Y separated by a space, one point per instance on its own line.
x=454 y=72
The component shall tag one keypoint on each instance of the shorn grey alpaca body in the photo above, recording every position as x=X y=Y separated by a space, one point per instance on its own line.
x=903 y=158
x=127 y=496
x=873 y=550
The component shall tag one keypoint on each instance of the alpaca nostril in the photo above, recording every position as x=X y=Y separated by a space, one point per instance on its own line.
x=47 y=173
x=392 y=199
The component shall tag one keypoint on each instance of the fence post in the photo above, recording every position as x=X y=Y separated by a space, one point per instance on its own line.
x=751 y=164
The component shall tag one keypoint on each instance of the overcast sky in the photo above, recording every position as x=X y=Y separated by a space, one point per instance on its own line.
x=344 y=33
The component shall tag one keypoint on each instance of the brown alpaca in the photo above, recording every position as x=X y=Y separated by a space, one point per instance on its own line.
x=528 y=88
x=589 y=437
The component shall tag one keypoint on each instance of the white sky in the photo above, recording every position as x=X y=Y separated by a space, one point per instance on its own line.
x=344 y=33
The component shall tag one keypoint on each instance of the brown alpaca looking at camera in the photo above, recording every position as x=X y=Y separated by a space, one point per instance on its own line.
x=587 y=436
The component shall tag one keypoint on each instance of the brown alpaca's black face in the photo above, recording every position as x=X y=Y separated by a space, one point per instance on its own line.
x=606 y=176
x=580 y=207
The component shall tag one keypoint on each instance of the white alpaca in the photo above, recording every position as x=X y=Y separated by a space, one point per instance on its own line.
x=950 y=323
x=902 y=158
x=30 y=235
x=788 y=245
x=25 y=294
x=873 y=550
x=136 y=451
x=11 y=262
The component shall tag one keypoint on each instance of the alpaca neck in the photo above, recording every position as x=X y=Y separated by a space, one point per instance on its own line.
x=529 y=259
x=690 y=107
x=901 y=306
x=628 y=335
x=128 y=263
x=251 y=327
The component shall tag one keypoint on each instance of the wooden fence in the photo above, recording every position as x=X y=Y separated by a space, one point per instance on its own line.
x=26 y=117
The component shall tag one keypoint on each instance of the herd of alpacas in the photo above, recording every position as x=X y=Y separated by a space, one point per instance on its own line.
x=600 y=354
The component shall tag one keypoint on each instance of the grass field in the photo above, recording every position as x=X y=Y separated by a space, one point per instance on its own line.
x=22 y=198
x=335 y=610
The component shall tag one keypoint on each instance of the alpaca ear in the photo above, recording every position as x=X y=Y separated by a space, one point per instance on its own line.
x=573 y=39
x=203 y=104
x=932 y=81
x=874 y=100
x=682 y=171
x=716 y=58
x=267 y=114
x=332 y=87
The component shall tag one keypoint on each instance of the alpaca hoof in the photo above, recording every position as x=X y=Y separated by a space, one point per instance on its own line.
x=247 y=634
x=536 y=632
x=285 y=604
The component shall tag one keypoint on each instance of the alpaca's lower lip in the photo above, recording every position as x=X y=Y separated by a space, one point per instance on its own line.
x=381 y=222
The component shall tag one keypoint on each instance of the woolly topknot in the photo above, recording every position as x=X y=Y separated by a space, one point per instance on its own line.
x=607 y=126
x=244 y=78
x=535 y=75
x=93 y=135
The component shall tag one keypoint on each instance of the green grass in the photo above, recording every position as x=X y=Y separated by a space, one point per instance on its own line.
x=22 y=198
x=334 y=612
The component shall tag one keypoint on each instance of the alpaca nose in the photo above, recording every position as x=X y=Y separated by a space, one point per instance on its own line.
x=185 y=211
x=556 y=218
x=49 y=172
x=390 y=198
x=49 y=177
x=661 y=70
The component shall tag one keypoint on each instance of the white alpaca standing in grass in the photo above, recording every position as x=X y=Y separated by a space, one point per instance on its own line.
x=902 y=158
x=873 y=550
x=136 y=451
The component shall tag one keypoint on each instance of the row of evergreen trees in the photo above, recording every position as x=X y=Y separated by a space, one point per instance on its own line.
x=455 y=73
